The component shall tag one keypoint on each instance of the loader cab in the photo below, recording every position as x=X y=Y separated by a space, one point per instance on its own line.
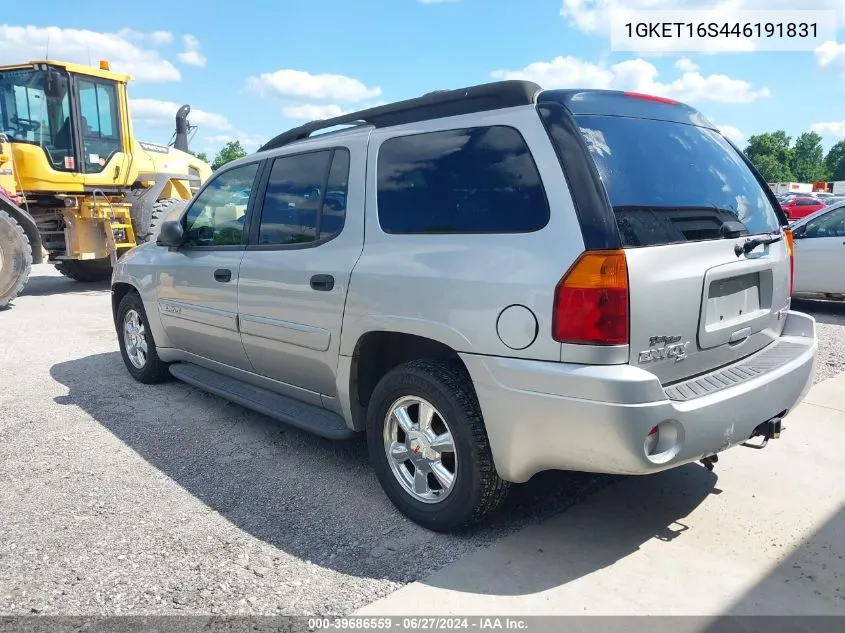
x=76 y=118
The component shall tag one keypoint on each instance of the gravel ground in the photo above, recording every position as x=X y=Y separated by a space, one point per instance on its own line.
x=118 y=498
x=121 y=498
x=830 y=324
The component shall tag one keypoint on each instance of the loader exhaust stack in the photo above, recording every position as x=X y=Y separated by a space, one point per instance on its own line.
x=180 y=142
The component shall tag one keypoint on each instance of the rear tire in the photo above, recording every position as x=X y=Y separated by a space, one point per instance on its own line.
x=85 y=270
x=137 y=346
x=473 y=490
x=15 y=259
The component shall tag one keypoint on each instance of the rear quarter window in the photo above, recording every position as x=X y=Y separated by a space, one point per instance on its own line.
x=471 y=180
x=673 y=182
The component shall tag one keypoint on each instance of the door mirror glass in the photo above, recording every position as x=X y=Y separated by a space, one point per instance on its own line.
x=171 y=234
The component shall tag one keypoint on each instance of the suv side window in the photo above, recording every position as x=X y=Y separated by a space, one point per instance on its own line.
x=305 y=200
x=218 y=213
x=829 y=225
x=473 y=180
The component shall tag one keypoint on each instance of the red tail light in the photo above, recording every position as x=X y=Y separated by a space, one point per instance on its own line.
x=790 y=245
x=591 y=301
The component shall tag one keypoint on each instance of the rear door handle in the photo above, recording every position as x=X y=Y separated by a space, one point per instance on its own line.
x=223 y=275
x=322 y=282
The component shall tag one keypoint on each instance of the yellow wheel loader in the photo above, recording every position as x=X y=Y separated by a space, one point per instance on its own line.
x=76 y=187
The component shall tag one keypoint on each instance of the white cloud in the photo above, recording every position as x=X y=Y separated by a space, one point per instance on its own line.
x=596 y=16
x=192 y=54
x=311 y=112
x=733 y=133
x=124 y=52
x=637 y=75
x=156 y=38
x=829 y=129
x=686 y=65
x=156 y=112
x=250 y=142
x=161 y=38
x=831 y=55
x=303 y=85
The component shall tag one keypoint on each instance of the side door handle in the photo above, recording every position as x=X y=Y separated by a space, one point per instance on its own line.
x=223 y=275
x=322 y=282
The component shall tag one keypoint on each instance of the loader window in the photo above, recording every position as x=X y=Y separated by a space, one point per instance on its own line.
x=35 y=109
x=99 y=123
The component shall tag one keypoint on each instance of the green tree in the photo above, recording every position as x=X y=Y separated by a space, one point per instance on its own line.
x=772 y=170
x=807 y=160
x=233 y=150
x=200 y=156
x=772 y=155
x=835 y=161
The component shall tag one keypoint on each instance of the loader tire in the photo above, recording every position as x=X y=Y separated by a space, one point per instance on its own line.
x=85 y=270
x=161 y=209
x=15 y=259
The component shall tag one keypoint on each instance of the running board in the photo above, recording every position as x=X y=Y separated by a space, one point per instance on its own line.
x=303 y=416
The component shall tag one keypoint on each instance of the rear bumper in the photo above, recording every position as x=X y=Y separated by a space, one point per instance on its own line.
x=557 y=416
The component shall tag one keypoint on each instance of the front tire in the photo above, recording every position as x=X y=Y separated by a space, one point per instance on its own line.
x=429 y=448
x=136 y=342
x=15 y=259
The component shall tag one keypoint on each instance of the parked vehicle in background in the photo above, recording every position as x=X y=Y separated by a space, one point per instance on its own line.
x=798 y=207
x=489 y=282
x=819 y=243
x=791 y=187
x=833 y=200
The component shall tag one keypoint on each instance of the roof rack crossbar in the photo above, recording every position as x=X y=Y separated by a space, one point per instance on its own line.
x=432 y=105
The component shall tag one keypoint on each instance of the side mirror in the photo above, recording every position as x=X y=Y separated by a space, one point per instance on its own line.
x=798 y=233
x=171 y=234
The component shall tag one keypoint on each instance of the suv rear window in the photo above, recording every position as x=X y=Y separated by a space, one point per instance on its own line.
x=673 y=182
x=472 y=180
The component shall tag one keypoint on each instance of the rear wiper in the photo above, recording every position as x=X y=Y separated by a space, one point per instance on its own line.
x=753 y=242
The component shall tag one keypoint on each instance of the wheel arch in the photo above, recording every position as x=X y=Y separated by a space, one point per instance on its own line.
x=118 y=291
x=27 y=223
x=376 y=352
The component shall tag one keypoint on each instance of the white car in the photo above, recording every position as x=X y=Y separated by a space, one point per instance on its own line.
x=819 y=242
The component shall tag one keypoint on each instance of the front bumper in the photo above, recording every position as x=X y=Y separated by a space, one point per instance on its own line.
x=558 y=416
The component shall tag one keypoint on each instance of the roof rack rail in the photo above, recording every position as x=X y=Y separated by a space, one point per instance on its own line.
x=432 y=105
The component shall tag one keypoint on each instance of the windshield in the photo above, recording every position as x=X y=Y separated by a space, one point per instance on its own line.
x=674 y=182
x=37 y=111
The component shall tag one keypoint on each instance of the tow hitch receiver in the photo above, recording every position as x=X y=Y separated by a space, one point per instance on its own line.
x=769 y=430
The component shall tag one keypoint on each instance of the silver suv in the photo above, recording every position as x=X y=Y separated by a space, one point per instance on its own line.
x=490 y=282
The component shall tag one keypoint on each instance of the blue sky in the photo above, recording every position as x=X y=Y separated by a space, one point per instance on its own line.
x=252 y=69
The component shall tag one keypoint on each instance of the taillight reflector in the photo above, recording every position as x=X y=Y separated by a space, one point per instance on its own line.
x=790 y=245
x=645 y=97
x=591 y=301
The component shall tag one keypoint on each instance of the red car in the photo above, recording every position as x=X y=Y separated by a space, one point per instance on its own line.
x=800 y=206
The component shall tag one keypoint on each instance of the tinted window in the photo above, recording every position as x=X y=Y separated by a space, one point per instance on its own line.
x=334 y=205
x=216 y=217
x=673 y=182
x=831 y=224
x=305 y=198
x=477 y=180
